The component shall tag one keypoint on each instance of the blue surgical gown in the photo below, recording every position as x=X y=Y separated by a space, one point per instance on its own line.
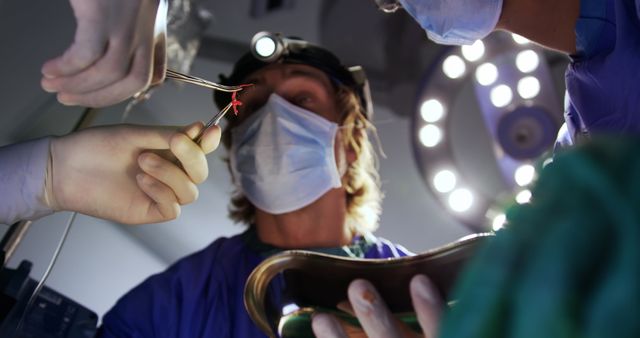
x=603 y=79
x=202 y=294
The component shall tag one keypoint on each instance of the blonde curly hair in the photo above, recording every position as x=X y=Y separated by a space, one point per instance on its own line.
x=361 y=181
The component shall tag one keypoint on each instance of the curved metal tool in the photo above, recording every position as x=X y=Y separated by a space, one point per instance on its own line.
x=160 y=71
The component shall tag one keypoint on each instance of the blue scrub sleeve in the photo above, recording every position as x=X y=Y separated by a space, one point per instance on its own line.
x=173 y=303
x=603 y=86
x=23 y=171
x=149 y=304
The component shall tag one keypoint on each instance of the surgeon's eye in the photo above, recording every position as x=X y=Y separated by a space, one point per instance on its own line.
x=303 y=101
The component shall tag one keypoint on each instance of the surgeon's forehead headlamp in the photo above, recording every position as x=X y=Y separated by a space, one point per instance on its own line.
x=268 y=48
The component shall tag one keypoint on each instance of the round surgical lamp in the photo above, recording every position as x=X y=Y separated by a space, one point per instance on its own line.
x=521 y=112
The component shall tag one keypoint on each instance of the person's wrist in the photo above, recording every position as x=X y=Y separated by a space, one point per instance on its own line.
x=54 y=176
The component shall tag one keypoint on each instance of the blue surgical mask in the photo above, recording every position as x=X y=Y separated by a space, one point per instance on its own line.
x=282 y=157
x=455 y=22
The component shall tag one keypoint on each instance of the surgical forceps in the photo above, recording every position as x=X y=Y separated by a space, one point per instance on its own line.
x=160 y=71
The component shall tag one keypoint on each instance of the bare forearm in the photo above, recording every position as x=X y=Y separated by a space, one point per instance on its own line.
x=550 y=23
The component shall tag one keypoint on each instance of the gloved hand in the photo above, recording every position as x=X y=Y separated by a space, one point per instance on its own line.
x=127 y=173
x=374 y=316
x=110 y=57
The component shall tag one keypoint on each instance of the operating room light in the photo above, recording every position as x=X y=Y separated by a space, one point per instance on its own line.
x=265 y=46
x=460 y=200
x=501 y=96
x=507 y=79
x=487 y=74
x=524 y=174
x=431 y=110
x=498 y=222
x=523 y=197
x=519 y=39
x=527 y=61
x=473 y=52
x=454 y=67
x=444 y=181
x=529 y=87
x=430 y=135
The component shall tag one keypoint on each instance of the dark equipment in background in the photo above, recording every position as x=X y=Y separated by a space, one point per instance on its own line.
x=27 y=307
x=52 y=315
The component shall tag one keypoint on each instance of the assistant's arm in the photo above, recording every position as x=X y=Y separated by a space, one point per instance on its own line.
x=550 y=23
x=124 y=173
x=23 y=169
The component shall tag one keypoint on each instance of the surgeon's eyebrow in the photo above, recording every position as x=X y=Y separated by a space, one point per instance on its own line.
x=292 y=73
x=321 y=78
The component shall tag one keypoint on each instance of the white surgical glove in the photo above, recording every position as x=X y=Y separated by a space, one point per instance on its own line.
x=129 y=173
x=376 y=319
x=110 y=58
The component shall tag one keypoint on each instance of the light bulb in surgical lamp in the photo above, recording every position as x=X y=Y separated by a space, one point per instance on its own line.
x=431 y=110
x=501 y=96
x=473 y=52
x=265 y=46
x=444 y=181
x=527 y=61
x=523 y=197
x=524 y=174
x=460 y=200
x=430 y=135
x=454 y=67
x=529 y=87
x=487 y=74
x=498 y=222
x=519 y=39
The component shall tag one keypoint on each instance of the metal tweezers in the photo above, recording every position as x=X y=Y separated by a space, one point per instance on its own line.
x=160 y=71
x=208 y=84
x=172 y=74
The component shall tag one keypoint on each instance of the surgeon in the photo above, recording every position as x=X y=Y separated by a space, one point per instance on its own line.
x=305 y=178
x=602 y=38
